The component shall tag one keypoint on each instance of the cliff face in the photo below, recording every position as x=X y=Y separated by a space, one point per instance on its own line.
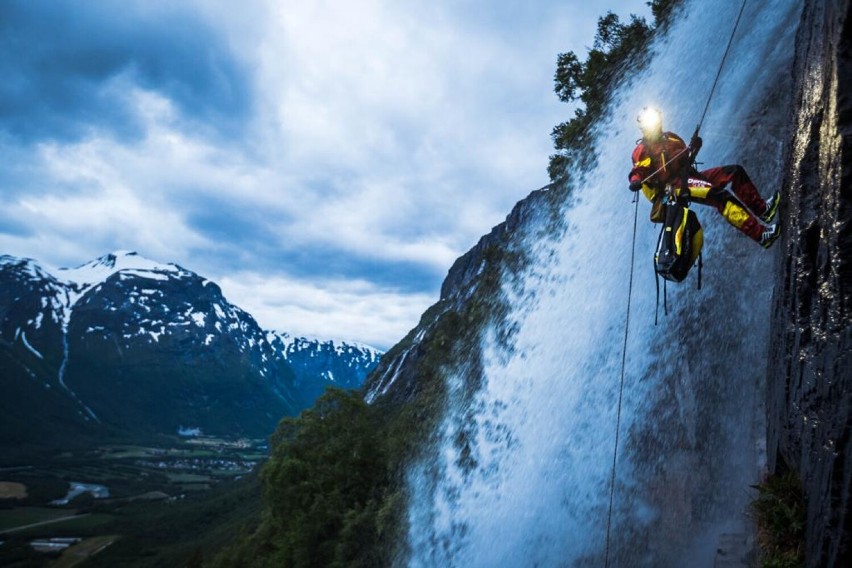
x=810 y=376
x=528 y=212
x=809 y=372
x=473 y=279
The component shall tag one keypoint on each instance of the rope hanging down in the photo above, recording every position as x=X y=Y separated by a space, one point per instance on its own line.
x=630 y=295
x=621 y=387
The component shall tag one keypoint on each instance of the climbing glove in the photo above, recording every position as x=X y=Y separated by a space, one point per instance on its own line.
x=695 y=145
x=635 y=185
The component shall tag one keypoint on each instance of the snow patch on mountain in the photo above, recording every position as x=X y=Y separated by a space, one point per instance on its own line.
x=294 y=344
x=139 y=302
x=100 y=269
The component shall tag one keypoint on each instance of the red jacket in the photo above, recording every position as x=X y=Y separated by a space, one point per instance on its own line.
x=670 y=156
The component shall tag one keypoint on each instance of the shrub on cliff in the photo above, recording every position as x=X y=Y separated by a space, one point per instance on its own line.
x=779 y=511
x=617 y=52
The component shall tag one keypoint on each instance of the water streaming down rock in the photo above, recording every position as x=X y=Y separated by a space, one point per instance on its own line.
x=810 y=399
x=520 y=474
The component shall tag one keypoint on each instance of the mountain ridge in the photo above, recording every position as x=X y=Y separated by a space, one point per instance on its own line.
x=137 y=346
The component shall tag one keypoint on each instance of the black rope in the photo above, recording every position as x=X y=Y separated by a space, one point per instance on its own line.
x=621 y=387
x=657 y=282
x=657 y=274
x=700 y=266
x=721 y=65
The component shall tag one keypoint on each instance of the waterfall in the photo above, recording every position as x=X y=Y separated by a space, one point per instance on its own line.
x=61 y=376
x=520 y=474
x=72 y=296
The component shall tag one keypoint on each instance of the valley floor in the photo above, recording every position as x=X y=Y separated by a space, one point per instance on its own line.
x=129 y=505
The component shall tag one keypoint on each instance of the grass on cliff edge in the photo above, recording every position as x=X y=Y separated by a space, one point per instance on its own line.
x=779 y=511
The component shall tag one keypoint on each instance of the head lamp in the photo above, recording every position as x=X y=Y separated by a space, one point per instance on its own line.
x=650 y=120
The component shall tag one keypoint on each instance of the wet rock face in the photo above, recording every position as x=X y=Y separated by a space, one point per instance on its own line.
x=467 y=267
x=810 y=377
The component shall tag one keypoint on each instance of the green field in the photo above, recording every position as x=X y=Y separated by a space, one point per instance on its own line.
x=78 y=525
x=23 y=516
x=205 y=493
x=128 y=471
x=82 y=551
x=183 y=478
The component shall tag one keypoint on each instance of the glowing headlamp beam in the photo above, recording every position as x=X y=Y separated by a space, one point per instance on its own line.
x=650 y=119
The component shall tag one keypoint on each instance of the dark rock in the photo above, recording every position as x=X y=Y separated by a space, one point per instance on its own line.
x=810 y=377
x=467 y=267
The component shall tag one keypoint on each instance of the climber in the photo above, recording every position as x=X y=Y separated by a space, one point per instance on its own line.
x=663 y=159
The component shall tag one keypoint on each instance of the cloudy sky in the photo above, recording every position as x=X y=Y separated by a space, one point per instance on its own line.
x=324 y=161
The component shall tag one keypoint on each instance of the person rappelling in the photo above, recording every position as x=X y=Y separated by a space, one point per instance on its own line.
x=662 y=161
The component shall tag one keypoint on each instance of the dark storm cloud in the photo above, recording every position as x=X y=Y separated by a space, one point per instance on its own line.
x=220 y=222
x=323 y=262
x=380 y=140
x=244 y=237
x=246 y=234
x=66 y=67
x=11 y=226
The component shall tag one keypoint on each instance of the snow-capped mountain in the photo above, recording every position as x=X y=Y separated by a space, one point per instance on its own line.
x=131 y=344
x=340 y=363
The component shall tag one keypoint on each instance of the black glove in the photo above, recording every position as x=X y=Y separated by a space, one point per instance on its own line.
x=635 y=185
x=695 y=144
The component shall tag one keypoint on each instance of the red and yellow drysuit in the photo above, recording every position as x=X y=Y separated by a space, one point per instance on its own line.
x=671 y=156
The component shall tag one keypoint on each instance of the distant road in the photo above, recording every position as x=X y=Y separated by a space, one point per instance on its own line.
x=60 y=519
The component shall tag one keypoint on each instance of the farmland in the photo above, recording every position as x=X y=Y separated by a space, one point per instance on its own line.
x=9 y=490
x=122 y=496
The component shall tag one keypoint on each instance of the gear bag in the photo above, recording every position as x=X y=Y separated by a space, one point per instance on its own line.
x=679 y=244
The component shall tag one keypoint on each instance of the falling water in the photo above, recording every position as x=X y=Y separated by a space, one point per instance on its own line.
x=61 y=377
x=529 y=485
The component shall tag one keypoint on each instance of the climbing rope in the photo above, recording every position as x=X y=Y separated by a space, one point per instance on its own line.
x=623 y=366
x=721 y=65
x=630 y=292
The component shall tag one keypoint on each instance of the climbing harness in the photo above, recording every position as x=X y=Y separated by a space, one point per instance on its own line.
x=630 y=292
